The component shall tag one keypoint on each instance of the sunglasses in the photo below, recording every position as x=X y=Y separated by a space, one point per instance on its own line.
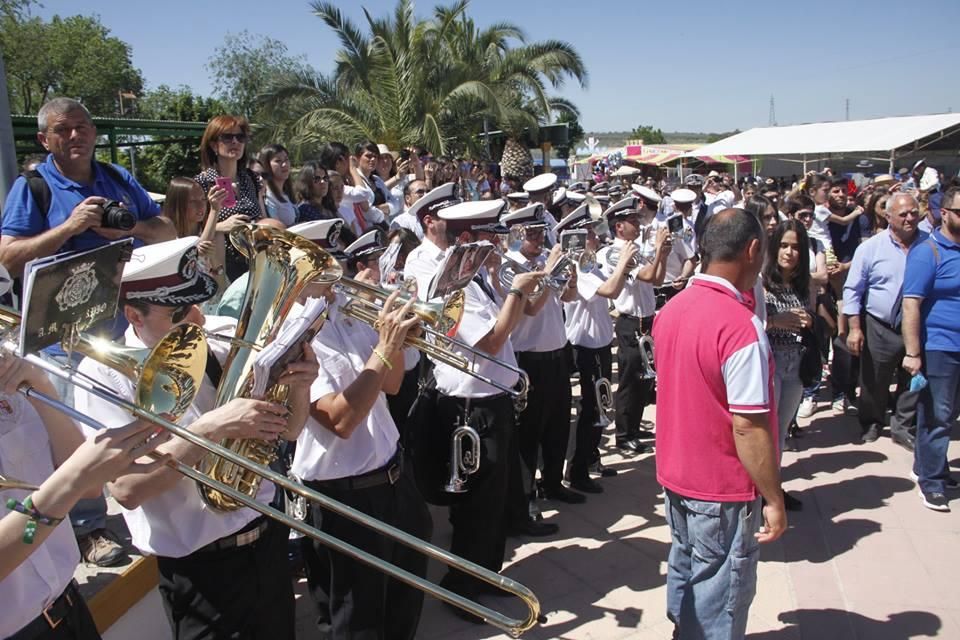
x=232 y=137
x=321 y=179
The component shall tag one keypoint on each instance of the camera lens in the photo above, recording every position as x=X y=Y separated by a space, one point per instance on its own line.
x=115 y=216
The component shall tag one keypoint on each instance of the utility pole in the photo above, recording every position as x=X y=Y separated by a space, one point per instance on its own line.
x=846 y=109
x=772 y=118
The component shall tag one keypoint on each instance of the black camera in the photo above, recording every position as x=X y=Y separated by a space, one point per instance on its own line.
x=675 y=224
x=404 y=154
x=116 y=216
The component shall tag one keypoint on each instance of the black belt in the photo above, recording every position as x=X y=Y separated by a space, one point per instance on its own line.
x=556 y=354
x=387 y=474
x=630 y=317
x=248 y=535
x=52 y=616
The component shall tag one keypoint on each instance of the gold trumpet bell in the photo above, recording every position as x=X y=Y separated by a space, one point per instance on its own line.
x=171 y=375
x=451 y=314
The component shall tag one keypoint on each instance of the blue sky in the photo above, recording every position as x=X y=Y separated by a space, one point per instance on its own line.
x=680 y=66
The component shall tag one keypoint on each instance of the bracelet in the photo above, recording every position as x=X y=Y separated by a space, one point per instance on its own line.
x=26 y=508
x=386 y=362
x=912 y=355
x=515 y=292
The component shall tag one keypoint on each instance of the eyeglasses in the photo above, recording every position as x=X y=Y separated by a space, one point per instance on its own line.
x=321 y=178
x=954 y=211
x=232 y=137
x=805 y=214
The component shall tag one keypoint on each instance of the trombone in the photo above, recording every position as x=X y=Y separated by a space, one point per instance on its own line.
x=153 y=366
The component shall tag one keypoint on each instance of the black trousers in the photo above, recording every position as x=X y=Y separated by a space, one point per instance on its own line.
x=844 y=371
x=592 y=364
x=478 y=515
x=880 y=360
x=545 y=422
x=634 y=392
x=76 y=624
x=401 y=402
x=242 y=593
x=354 y=600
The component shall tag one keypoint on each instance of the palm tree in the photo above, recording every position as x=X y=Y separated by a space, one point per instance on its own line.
x=430 y=82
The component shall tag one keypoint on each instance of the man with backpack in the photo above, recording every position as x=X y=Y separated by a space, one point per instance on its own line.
x=65 y=205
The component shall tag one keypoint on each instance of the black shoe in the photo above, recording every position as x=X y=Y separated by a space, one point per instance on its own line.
x=870 y=434
x=645 y=434
x=631 y=447
x=906 y=440
x=790 y=444
x=586 y=484
x=790 y=503
x=935 y=500
x=604 y=472
x=532 y=528
x=563 y=494
x=794 y=431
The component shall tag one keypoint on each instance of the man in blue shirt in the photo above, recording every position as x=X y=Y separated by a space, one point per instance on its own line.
x=871 y=297
x=931 y=306
x=78 y=187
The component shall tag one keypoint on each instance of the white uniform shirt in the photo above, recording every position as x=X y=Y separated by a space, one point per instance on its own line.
x=588 y=323
x=25 y=455
x=544 y=331
x=480 y=314
x=820 y=228
x=343 y=347
x=637 y=297
x=177 y=522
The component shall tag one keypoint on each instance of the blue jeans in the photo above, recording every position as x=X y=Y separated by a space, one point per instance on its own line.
x=712 y=567
x=787 y=389
x=938 y=408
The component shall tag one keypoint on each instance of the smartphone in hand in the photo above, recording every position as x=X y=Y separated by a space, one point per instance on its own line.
x=227 y=185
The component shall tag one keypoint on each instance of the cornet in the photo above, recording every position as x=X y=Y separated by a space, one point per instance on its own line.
x=462 y=463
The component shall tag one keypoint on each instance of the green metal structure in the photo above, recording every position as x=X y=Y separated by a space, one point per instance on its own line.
x=135 y=133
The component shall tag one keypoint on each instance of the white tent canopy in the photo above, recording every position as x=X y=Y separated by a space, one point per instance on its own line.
x=853 y=136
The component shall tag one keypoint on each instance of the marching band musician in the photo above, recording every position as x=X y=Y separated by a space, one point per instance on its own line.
x=589 y=330
x=540 y=189
x=477 y=516
x=682 y=260
x=41 y=446
x=350 y=451
x=635 y=302
x=539 y=341
x=363 y=261
x=222 y=573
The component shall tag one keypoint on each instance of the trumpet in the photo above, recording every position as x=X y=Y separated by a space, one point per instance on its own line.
x=154 y=367
x=462 y=463
x=556 y=280
x=439 y=324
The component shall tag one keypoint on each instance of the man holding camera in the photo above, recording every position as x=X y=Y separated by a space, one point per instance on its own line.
x=66 y=206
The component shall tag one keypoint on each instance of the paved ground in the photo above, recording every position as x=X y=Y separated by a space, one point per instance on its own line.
x=864 y=560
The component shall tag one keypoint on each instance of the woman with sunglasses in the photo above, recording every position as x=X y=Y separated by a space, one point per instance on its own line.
x=313 y=194
x=223 y=154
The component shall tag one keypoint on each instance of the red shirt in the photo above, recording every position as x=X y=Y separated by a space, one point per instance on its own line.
x=713 y=360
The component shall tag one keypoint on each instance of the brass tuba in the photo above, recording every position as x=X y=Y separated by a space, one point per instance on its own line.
x=281 y=265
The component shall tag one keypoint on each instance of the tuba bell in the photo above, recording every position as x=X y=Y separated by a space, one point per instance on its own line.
x=281 y=265
x=645 y=344
x=604 y=393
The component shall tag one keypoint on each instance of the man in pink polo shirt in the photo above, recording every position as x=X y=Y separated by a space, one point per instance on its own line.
x=716 y=448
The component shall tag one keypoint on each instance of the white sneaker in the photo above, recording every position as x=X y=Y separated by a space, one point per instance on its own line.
x=839 y=405
x=807 y=408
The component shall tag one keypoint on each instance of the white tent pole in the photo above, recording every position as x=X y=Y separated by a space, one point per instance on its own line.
x=804 y=164
x=893 y=155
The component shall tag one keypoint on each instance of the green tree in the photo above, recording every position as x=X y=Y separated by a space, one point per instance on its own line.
x=649 y=135
x=245 y=65
x=415 y=81
x=713 y=137
x=156 y=164
x=73 y=56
